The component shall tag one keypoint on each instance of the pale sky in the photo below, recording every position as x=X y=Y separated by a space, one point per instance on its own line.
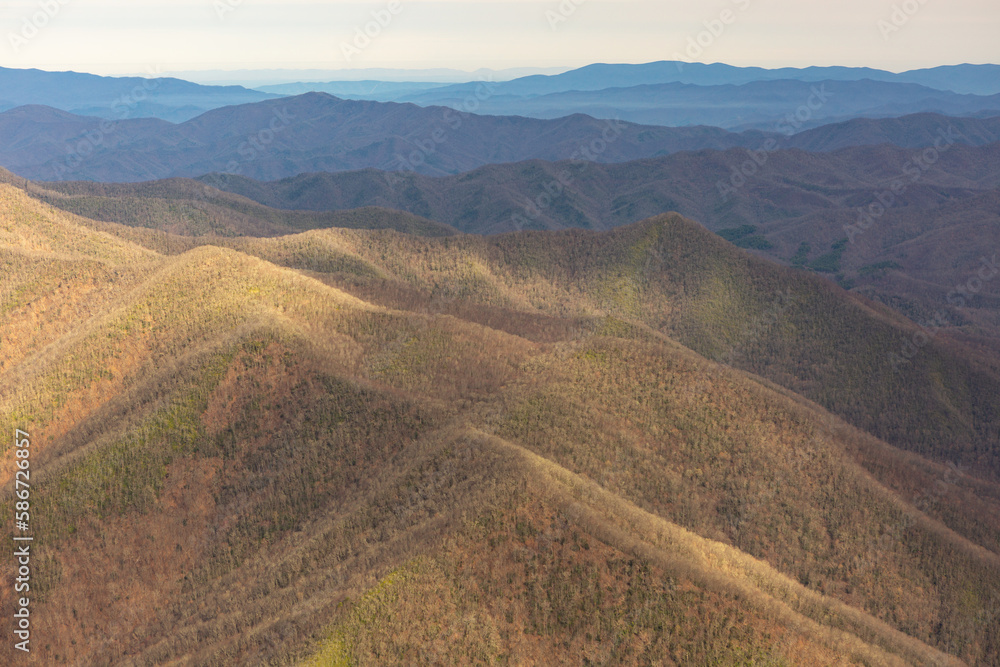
x=141 y=36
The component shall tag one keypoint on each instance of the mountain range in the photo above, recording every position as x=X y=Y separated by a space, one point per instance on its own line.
x=317 y=132
x=118 y=98
x=764 y=105
x=343 y=445
x=661 y=93
x=808 y=209
x=967 y=79
x=318 y=381
x=964 y=79
x=681 y=93
x=803 y=209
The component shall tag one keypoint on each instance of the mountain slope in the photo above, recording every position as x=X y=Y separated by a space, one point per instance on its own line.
x=912 y=131
x=277 y=462
x=860 y=386
x=804 y=209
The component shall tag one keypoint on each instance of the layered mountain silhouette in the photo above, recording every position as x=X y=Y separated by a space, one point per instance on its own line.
x=379 y=91
x=118 y=98
x=967 y=79
x=765 y=105
x=317 y=132
x=343 y=445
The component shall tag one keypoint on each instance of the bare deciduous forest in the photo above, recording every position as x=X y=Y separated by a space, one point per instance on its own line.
x=265 y=439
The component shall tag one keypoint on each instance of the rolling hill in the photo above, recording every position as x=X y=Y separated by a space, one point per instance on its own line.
x=797 y=208
x=366 y=447
x=704 y=185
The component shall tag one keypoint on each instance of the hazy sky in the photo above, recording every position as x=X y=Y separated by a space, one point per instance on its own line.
x=136 y=36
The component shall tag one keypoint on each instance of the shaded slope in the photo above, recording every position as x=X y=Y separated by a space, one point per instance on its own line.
x=790 y=184
x=704 y=300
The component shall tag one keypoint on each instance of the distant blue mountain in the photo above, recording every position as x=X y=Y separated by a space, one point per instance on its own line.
x=782 y=105
x=118 y=97
x=966 y=79
x=377 y=91
x=317 y=132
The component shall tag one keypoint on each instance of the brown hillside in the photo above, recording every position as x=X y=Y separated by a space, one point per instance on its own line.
x=236 y=459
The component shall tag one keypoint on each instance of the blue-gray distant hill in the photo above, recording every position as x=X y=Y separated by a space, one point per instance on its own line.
x=379 y=91
x=765 y=105
x=967 y=79
x=319 y=133
x=118 y=97
x=963 y=79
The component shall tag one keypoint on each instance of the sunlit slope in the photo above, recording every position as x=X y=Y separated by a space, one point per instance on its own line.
x=594 y=578
x=30 y=226
x=236 y=461
x=189 y=208
x=862 y=361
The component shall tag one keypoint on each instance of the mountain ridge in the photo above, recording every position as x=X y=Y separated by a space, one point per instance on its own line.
x=318 y=132
x=308 y=461
x=117 y=98
x=753 y=104
x=965 y=78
